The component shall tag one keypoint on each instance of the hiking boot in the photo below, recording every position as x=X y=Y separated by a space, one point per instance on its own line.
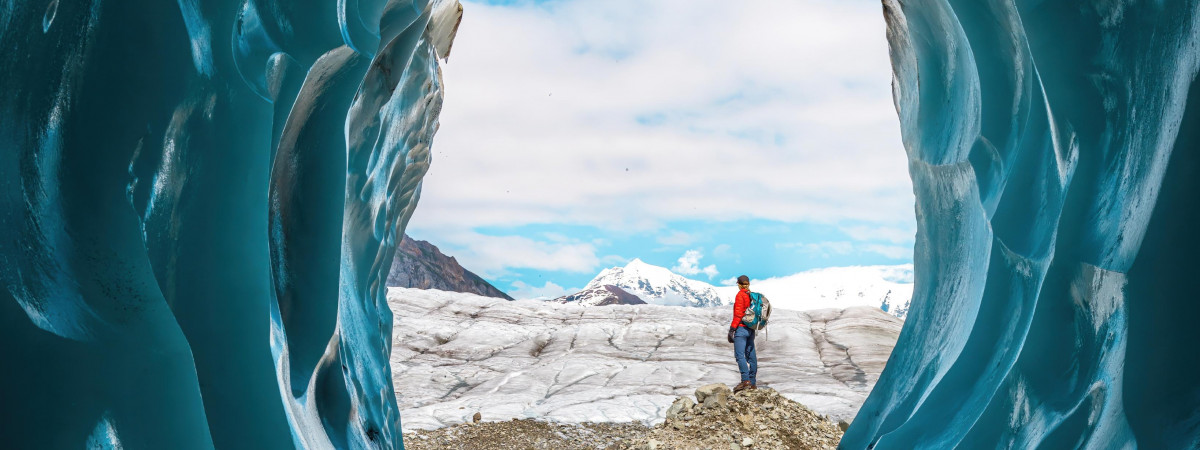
x=741 y=387
x=752 y=386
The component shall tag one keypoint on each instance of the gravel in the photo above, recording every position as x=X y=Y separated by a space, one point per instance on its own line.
x=751 y=419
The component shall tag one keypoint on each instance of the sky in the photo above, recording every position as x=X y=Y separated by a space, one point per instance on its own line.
x=714 y=138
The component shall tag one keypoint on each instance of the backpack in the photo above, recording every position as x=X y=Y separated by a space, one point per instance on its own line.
x=759 y=311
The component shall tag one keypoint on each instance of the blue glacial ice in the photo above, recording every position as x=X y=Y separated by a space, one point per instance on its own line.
x=199 y=204
x=1054 y=148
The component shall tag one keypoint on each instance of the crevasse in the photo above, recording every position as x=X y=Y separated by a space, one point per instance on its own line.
x=1053 y=151
x=199 y=203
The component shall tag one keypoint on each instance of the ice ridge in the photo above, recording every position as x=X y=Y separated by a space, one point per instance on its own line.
x=1053 y=151
x=199 y=204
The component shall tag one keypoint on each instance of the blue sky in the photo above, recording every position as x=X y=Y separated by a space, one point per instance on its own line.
x=711 y=138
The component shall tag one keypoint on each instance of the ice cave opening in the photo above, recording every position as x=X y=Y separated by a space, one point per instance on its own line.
x=149 y=147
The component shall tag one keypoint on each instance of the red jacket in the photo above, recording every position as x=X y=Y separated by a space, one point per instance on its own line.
x=740 y=303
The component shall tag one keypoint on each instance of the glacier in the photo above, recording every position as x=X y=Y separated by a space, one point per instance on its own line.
x=455 y=354
x=1052 y=146
x=199 y=204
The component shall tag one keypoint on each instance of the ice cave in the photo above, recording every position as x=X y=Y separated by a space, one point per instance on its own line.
x=199 y=199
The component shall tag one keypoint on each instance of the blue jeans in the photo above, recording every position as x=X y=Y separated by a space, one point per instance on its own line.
x=743 y=351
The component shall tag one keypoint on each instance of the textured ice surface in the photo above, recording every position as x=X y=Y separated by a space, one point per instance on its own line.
x=199 y=202
x=1053 y=150
x=457 y=354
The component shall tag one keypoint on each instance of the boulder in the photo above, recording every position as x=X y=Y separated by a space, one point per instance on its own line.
x=682 y=405
x=712 y=395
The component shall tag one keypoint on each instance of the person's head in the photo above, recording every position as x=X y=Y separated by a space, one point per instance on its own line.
x=743 y=282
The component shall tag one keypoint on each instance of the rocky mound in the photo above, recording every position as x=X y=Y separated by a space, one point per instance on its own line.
x=527 y=434
x=717 y=419
x=751 y=419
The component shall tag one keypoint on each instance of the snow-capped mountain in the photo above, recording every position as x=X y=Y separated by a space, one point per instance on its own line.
x=601 y=295
x=654 y=285
x=838 y=287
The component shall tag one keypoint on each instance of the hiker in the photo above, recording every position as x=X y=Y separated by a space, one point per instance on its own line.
x=742 y=338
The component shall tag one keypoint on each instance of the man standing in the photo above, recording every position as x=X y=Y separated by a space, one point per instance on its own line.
x=742 y=338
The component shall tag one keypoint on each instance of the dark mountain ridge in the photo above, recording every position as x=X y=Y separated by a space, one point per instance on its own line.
x=419 y=264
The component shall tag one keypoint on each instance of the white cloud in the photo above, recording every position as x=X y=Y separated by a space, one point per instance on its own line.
x=831 y=248
x=726 y=251
x=549 y=291
x=676 y=238
x=556 y=237
x=492 y=256
x=894 y=235
x=627 y=114
x=614 y=260
x=826 y=248
x=890 y=251
x=689 y=264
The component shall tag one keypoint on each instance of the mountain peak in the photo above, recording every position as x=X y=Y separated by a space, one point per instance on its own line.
x=640 y=268
x=656 y=284
x=637 y=263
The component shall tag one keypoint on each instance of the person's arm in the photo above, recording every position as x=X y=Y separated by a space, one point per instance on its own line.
x=739 y=309
x=740 y=303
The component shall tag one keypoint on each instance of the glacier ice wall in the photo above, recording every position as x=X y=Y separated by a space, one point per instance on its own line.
x=1053 y=147
x=199 y=204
